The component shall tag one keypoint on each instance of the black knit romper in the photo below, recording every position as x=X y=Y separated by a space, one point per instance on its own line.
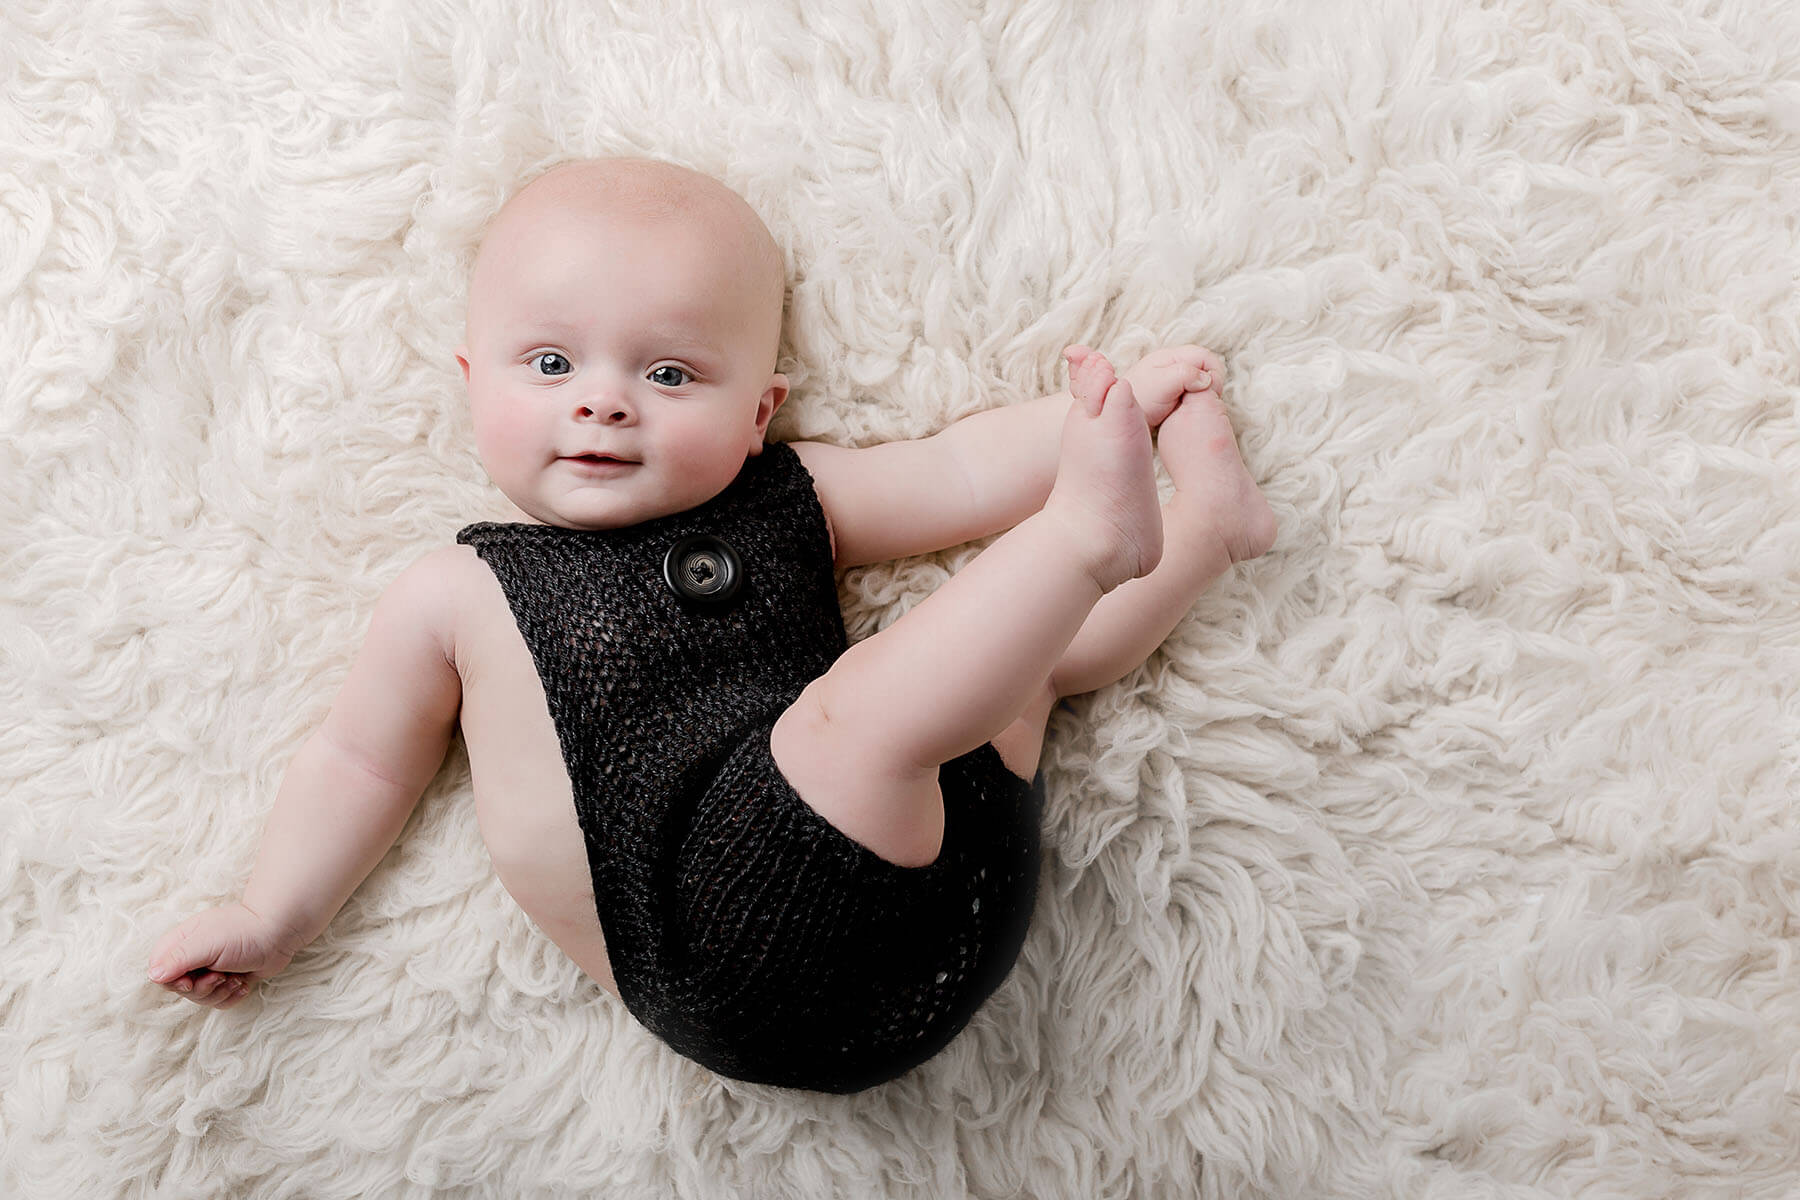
x=744 y=929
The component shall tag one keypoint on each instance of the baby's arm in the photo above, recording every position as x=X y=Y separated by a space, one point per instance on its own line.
x=980 y=475
x=1009 y=454
x=344 y=798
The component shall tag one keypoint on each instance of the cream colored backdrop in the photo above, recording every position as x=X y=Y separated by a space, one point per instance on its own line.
x=1449 y=850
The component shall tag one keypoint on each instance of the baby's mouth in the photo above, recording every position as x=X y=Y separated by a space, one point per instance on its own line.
x=598 y=466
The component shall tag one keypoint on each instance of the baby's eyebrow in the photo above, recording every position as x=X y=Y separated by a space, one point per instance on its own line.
x=655 y=335
x=677 y=335
x=535 y=325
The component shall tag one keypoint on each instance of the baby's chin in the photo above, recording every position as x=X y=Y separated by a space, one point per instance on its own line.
x=578 y=512
x=573 y=500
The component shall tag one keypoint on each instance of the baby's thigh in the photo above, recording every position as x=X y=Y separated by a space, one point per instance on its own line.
x=535 y=843
x=1022 y=743
x=898 y=816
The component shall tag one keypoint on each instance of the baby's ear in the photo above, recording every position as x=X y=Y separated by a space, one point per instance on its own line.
x=771 y=401
x=462 y=360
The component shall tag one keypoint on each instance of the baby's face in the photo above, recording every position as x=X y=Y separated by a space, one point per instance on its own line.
x=630 y=337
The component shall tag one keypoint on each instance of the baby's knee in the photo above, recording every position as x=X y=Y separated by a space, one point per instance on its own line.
x=896 y=812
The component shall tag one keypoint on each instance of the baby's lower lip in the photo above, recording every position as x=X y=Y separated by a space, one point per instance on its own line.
x=599 y=465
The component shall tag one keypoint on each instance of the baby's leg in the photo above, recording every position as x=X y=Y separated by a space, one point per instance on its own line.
x=1216 y=517
x=863 y=742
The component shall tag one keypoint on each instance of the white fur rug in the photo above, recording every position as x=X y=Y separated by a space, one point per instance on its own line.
x=1450 y=850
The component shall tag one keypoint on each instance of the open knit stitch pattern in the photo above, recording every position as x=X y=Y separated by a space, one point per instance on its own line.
x=744 y=929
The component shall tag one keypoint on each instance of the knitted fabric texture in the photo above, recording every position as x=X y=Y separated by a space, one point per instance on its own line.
x=744 y=929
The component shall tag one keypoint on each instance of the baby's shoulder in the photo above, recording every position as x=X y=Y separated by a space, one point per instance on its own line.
x=443 y=570
x=437 y=589
x=819 y=459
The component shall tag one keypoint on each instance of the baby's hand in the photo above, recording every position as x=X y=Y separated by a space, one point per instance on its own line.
x=213 y=957
x=1163 y=377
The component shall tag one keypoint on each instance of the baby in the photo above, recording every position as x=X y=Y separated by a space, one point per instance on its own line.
x=798 y=862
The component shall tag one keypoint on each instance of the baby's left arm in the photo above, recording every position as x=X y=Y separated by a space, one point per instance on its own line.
x=982 y=474
x=1010 y=453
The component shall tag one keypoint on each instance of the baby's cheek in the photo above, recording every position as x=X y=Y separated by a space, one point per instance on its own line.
x=506 y=444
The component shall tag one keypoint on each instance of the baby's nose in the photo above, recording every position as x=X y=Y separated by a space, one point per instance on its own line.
x=611 y=409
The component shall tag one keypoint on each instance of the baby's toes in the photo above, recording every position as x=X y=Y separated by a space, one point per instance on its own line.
x=1120 y=401
x=1089 y=381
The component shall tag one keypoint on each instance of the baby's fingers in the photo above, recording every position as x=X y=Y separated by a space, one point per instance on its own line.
x=210 y=988
x=232 y=989
x=207 y=986
x=1208 y=369
x=179 y=952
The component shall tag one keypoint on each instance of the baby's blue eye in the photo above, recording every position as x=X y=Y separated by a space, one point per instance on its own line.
x=666 y=383
x=553 y=363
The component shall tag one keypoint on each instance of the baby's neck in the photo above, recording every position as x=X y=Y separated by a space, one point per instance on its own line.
x=518 y=516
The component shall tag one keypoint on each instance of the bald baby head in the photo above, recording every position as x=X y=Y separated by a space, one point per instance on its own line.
x=643 y=197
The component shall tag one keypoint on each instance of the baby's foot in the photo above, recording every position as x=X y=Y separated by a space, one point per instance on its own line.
x=1201 y=455
x=1106 y=479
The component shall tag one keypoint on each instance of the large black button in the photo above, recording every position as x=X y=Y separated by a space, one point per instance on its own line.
x=704 y=569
